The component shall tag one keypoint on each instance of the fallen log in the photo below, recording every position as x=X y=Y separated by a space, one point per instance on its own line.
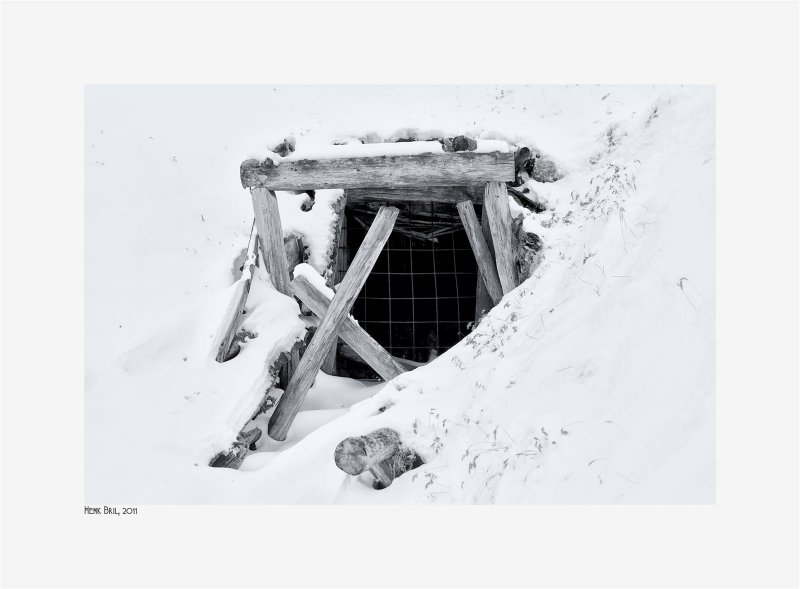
x=380 y=452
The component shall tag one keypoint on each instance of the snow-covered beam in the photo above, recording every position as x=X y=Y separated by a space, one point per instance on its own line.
x=406 y=171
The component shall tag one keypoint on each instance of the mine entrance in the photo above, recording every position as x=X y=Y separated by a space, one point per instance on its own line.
x=420 y=295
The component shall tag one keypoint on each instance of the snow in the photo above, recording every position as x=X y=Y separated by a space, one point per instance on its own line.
x=354 y=148
x=593 y=382
x=315 y=226
x=308 y=272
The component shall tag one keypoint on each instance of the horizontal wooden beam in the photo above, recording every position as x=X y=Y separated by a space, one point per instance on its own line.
x=368 y=350
x=408 y=171
x=444 y=194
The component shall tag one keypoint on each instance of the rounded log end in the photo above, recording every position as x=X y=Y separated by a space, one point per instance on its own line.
x=351 y=456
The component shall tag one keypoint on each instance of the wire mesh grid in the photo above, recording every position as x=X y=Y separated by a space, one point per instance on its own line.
x=420 y=294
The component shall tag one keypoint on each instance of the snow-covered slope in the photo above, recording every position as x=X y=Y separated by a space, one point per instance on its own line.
x=593 y=382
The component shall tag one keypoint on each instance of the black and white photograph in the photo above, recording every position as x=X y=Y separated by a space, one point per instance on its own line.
x=400 y=293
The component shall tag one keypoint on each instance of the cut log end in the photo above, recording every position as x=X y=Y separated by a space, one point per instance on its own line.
x=351 y=456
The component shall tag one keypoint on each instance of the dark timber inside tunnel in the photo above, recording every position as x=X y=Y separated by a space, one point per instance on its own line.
x=420 y=295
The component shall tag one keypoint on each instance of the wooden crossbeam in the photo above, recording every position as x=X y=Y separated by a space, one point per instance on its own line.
x=484 y=257
x=327 y=332
x=495 y=201
x=370 y=351
x=409 y=171
x=443 y=194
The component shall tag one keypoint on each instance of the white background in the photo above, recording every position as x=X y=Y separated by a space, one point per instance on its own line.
x=750 y=51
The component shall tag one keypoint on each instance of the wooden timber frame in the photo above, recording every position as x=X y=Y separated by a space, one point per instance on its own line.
x=460 y=178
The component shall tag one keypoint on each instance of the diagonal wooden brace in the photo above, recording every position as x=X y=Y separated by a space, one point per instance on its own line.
x=364 y=345
x=484 y=257
x=290 y=402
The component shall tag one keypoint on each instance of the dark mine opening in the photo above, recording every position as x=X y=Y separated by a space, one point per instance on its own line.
x=420 y=295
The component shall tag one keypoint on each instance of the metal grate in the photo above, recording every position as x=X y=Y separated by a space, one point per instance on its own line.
x=420 y=294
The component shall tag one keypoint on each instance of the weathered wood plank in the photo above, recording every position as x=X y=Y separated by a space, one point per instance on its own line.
x=444 y=194
x=495 y=201
x=290 y=402
x=234 y=318
x=383 y=473
x=295 y=252
x=483 y=302
x=483 y=255
x=268 y=225
x=430 y=169
x=329 y=364
x=354 y=336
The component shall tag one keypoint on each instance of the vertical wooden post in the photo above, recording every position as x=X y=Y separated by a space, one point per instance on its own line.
x=329 y=364
x=270 y=233
x=495 y=201
x=486 y=263
x=327 y=332
x=483 y=302
x=268 y=224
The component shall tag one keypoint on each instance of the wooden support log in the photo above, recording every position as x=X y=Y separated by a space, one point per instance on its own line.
x=328 y=329
x=495 y=201
x=483 y=255
x=234 y=317
x=268 y=225
x=359 y=340
x=430 y=169
x=483 y=302
x=444 y=194
x=270 y=232
x=329 y=364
